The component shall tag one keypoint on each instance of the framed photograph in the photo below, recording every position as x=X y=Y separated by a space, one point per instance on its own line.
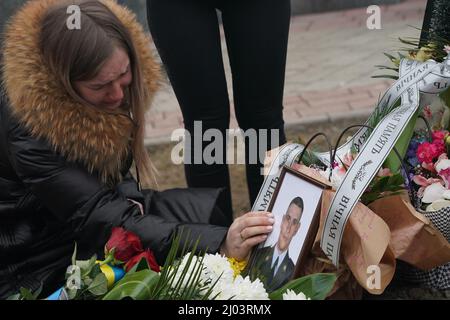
x=295 y=205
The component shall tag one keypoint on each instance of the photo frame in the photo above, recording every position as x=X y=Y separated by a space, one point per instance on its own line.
x=295 y=205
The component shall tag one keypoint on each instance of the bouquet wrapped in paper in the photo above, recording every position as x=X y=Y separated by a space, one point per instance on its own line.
x=391 y=186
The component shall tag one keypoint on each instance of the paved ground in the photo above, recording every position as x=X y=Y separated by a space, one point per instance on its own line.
x=331 y=59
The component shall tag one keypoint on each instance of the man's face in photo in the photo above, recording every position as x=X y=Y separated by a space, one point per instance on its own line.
x=289 y=226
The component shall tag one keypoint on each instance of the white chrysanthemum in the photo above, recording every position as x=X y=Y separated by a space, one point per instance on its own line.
x=249 y=290
x=291 y=295
x=215 y=266
x=227 y=287
x=240 y=289
x=182 y=266
x=223 y=291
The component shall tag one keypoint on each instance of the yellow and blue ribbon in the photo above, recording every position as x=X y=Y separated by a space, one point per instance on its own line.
x=112 y=274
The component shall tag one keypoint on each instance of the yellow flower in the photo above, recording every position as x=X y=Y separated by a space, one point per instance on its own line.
x=447 y=140
x=425 y=53
x=237 y=266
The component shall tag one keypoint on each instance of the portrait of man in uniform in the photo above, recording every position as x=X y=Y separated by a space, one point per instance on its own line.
x=296 y=209
x=274 y=265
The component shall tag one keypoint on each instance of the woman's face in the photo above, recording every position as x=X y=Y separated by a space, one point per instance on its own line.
x=107 y=90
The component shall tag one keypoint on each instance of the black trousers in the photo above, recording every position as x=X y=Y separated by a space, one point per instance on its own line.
x=186 y=34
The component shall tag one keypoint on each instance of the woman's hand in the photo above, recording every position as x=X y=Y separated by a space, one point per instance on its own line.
x=247 y=231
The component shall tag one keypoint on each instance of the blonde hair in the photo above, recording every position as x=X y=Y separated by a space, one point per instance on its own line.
x=78 y=55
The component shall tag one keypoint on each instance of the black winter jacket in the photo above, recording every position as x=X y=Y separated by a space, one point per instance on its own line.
x=47 y=204
x=57 y=158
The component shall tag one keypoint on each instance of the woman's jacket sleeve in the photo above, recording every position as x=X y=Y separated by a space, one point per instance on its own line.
x=77 y=199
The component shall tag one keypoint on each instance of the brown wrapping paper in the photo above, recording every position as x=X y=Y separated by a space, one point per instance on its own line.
x=365 y=243
x=390 y=229
x=414 y=239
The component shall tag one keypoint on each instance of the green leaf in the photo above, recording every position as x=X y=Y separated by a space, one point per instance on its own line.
x=165 y=284
x=445 y=96
x=74 y=255
x=137 y=286
x=87 y=281
x=391 y=57
x=314 y=286
x=367 y=198
x=99 y=286
x=86 y=266
x=413 y=43
x=72 y=293
x=396 y=180
x=192 y=289
x=141 y=265
x=178 y=286
x=167 y=270
x=386 y=76
x=393 y=162
x=177 y=283
x=26 y=294
x=380 y=184
x=386 y=68
x=96 y=270
x=15 y=297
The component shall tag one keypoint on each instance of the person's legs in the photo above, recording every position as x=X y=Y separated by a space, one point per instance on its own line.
x=257 y=36
x=186 y=34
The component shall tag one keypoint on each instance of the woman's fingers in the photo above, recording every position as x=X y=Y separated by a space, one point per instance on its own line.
x=253 y=241
x=253 y=214
x=254 y=223
x=253 y=231
x=256 y=214
x=261 y=220
x=246 y=232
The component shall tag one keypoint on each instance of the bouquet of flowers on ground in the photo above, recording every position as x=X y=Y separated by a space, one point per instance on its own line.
x=430 y=170
x=406 y=184
x=425 y=148
x=130 y=272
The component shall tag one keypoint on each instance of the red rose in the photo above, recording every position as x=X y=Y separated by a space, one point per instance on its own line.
x=148 y=255
x=126 y=244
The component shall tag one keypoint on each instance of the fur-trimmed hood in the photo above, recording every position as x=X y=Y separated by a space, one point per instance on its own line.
x=97 y=139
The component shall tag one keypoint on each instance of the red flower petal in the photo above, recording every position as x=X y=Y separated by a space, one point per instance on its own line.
x=125 y=243
x=149 y=256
